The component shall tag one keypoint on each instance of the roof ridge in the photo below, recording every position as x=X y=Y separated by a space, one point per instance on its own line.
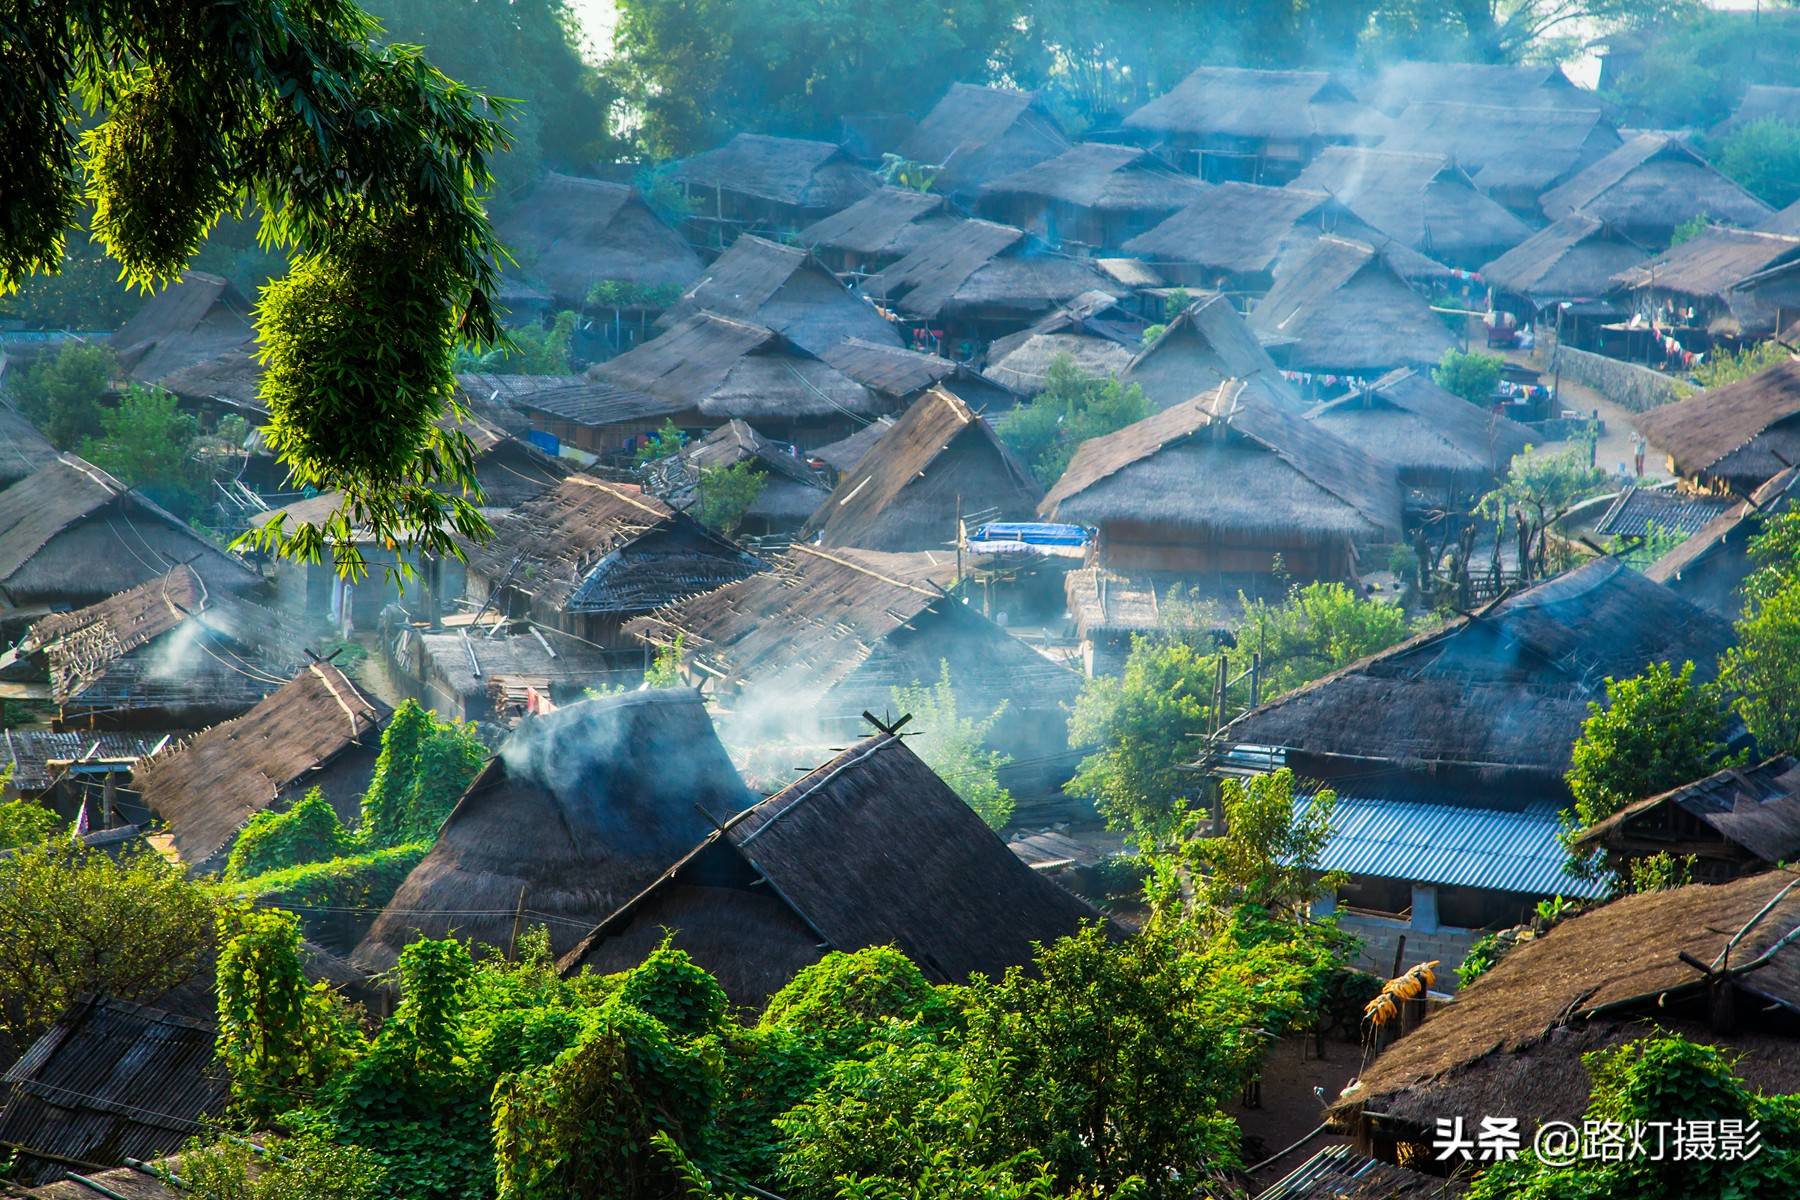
x=817 y=552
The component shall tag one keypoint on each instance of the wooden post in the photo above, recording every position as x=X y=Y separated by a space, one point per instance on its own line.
x=512 y=944
x=107 y=796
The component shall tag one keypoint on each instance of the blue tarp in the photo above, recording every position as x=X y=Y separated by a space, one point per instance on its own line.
x=1032 y=533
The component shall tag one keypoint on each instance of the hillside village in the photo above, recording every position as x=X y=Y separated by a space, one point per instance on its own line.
x=1187 y=653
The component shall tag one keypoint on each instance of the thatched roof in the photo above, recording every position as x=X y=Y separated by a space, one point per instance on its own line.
x=783 y=288
x=1574 y=258
x=1743 y=433
x=590 y=546
x=791 y=490
x=721 y=368
x=793 y=172
x=1786 y=221
x=1651 y=184
x=141 y=1182
x=206 y=788
x=71 y=529
x=889 y=370
x=975 y=134
x=23 y=450
x=969 y=268
x=31 y=753
x=1237 y=228
x=1709 y=566
x=1241 y=103
x=578 y=812
x=938 y=461
x=570 y=233
x=467 y=668
x=1512 y=1039
x=1763 y=102
x=1538 y=656
x=1512 y=85
x=843 y=454
x=1098 y=334
x=1338 y=307
x=868 y=849
x=1202 y=348
x=1521 y=151
x=1711 y=264
x=735 y=442
x=874 y=224
x=932 y=273
x=1229 y=460
x=1421 y=199
x=579 y=399
x=194 y=319
x=232 y=378
x=1105 y=603
x=1406 y=420
x=1756 y=808
x=1101 y=178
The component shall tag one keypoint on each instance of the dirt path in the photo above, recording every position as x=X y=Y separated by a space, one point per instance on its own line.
x=1615 y=444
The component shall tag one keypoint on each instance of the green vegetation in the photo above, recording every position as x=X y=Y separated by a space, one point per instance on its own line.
x=61 y=394
x=1268 y=857
x=665 y=441
x=1721 y=368
x=725 y=494
x=1764 y=157
x=1316 y=629
x=1472 y=375
x=147 y=442
x=1686 y=231
x=1539 y=489
x=1074 y=406
x=301 y=1168
x=25 y=822
x=532 y=350
x=666 y=666
x=622 y=293
x=955 y=746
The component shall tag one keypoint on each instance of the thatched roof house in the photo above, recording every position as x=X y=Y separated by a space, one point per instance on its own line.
x=1097 y=333
x=755 y=181
x=1422 y=200
x=868 y=849
x=23 y=450
x=709 y=369
x=1441 y=446
x=1510 y=85
x=71 y=535
x=1572 y=260
x=231 y=379
x=1257 y=126
x=110 y=1080
x=1762 y=102
x=316 y=731
x=166 y=654
x=981 y=280
x=791 y=490
x=1735 y=822
x=1230 y=235
x=196 y=318
x=1708 y=287
x=1221 y=484
x=1200 y=349
x=1709 y=567
x=783 y=288
x=482 y=673
x=976 y=134
x=580 y=810
x=1338 y=308
x=1513 y=1040
x=842 y=456
x=1513 y=154
x=901 y=376
x=570 y=233
x=1651 y=184
x=1735 y=437
x=878 y=230
x=1786 y=221
x=581 y=410
x=585 y=555
x=142 y=1182
x=1093 y=195
x=940 y=462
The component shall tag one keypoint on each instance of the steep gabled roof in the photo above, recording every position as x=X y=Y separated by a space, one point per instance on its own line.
x=1339 y=307
x=193 y=319
x=1505 y=148
x=1756 y=808
x=788 y=171
x=1654 y=181
x=783 y=288
x=206 y=788
x=1244 y=103
x=924 y=282
x=1573 y=258
x=889 y=370
x=1712 y=263
x=1102 y=178
x=1764 y=102
x=1405 y=419
x=23 y=450
x=1201 y=348
x=1421 y=199
x=1241 y=228
x=873 y=224
x=1521 y=85
x=1724 y=432
x=570 y=233
x=974 y=134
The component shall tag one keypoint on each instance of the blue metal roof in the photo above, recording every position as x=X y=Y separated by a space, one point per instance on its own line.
x=1036 y=533
x=1451 y=846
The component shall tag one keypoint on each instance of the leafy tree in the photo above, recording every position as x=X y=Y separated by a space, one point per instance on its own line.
x=1763 y=669
x=422 y=769
x=1268 y=857
x=367 y=167
x=726 y=494
x=844 y=1001
x=1471 y=375
x=1503 y=31
x=1693 y=69
x=1764 y=157
x=1537 y=491
x=309 y=832
x=665 y=441
x=1073 y=407
x=956 y=747
x=148 y=443
x=666 y=667
x=84 y=295
x=1662 y=872
x=61 y=395
x=295 y=1168
x=1664 y=1079
x=25 y=822
x=1723 y=367
x=534 y=350
x=74 y=921
x=1317 y=628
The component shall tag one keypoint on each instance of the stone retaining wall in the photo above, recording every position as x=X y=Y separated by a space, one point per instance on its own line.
x=1626 y=384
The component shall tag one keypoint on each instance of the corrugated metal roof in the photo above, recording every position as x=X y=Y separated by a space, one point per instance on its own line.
x=1632 y=514
x=1451 y=845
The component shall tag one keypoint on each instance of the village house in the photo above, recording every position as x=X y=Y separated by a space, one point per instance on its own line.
x=1098 y=334
x=868 y=849
x=1709 y=567
x=71 y=535
x=939 y=469
x=1107 y=611
x=1734 y=438
x=710 y=369
x=1761 y=102
x=760 y=184
x=1338 y=310
x=581 y=809
x=1214 y=490
x=1513 y=154
x=1205 y=345
x=1561 y=277
x=1512 y=85
x=1650 y=185
x=490 y=670
x=61 y=770
x=901 y=376
x=1091 y=198
x=1448 y=752
x=23 y=450
x=1709 y=963
x=782 y=288
x=791 y=490
x=1421 y=200
x=1737 y=821
x=797 y=653
x=166 y=654
x=977 y=134
x=1226 y=123
x=878 y=230
x=318 y=730
x=198 y=317
x=571 y=234
x=1695 y=297
x=580 y=412
x=586 y=556
x=1447 y=452
x=1342 y=1173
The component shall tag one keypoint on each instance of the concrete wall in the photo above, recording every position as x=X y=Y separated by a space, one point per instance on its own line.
x=1637 y=388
